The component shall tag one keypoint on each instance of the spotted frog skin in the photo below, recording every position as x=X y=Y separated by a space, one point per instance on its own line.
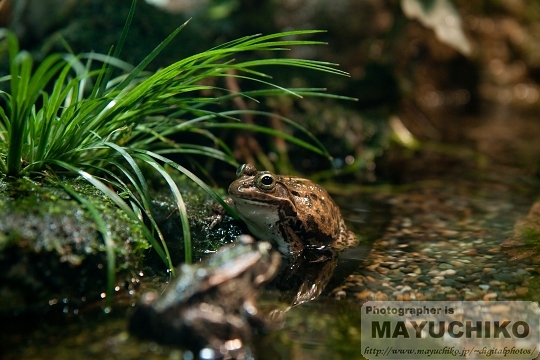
x=292 y=212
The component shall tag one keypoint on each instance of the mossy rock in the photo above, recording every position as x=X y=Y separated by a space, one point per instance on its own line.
x=207 y=233
x=52 y=254
x=524 y=245
x=50 y=249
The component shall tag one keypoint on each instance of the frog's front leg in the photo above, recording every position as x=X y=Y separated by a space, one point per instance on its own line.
x=291 y=245
x=218 y=211
x=319 y=255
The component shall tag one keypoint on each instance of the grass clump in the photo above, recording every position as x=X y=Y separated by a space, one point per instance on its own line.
x=70 y=115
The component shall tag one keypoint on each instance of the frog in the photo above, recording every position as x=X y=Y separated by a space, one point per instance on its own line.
x=212 y=303
x=292 y=212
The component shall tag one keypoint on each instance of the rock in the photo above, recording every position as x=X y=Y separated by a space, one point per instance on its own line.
x=449 y=272
x=507 y=278
x=448 y=282
x=364 y=295
x=50 y=248
x=490 y=296
x=525 y=242
x=521 y=291
x=445 y=266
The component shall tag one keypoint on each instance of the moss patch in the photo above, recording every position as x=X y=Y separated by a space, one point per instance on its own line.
x=50 y=249
x=207 y=233
x=525 y=243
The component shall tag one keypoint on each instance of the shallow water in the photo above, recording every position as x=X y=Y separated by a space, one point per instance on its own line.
x=436 y=241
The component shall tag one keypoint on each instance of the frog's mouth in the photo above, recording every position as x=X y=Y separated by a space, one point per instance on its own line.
x=261 y=203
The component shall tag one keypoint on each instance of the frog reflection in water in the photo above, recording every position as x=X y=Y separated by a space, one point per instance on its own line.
x=294 y=213
x=211 y=303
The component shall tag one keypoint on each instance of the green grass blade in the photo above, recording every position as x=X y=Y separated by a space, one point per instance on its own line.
x=190 y=175
x=159 y=246
x=111 y=195
x=97 y=184
x=265 y=38
x=179 y=203
x=269 y=131
x=20 y=69
x=144 y=192
x=118 y=50
x=150 y=57
x=199 y=150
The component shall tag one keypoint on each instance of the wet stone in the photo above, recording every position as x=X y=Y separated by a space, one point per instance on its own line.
x=449 y=272
x=490 y=296
x=507 y=278
x=447 y=289
x=521 y=272
x=460 y=272
x=470 y=252
x=522 y=291
x=365 y=294
x=471 y=296
x=510 y=294
x=449 y=282
x=439 y=296
x=445 y=266
x=356 y=288
x=472 y=277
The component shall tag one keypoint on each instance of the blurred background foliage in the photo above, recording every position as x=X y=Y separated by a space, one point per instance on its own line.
x=438 y=75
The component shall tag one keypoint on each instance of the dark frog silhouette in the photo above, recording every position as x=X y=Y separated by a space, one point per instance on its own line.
x=211 y=303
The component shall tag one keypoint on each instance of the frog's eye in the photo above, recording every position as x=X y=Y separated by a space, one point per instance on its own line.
x=265 y=182
x=240 y=170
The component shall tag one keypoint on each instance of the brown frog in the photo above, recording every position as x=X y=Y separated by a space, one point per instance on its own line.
x=292 y=212
x=212 y=303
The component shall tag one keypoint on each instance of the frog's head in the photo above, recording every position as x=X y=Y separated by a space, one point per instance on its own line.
x=261 y=188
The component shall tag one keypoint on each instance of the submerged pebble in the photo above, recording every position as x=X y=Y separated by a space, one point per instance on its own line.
x=446 y=257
